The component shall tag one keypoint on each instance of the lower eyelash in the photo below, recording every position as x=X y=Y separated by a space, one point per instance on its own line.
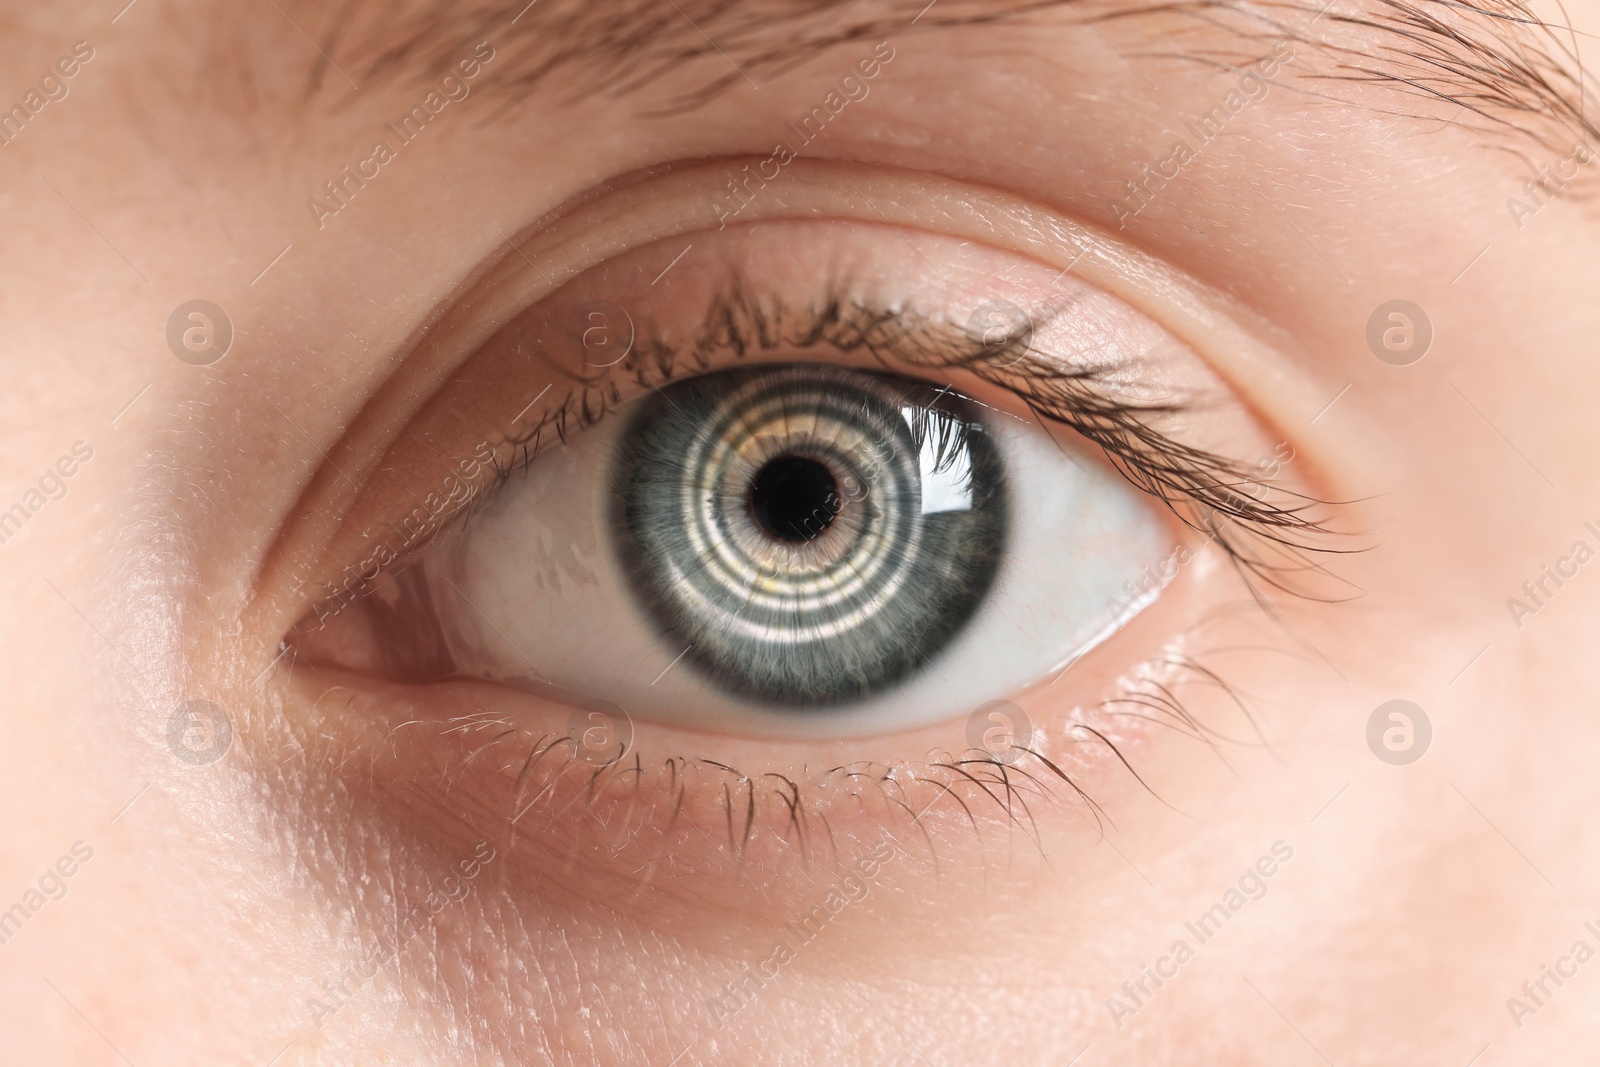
x=752 y=808
x=635 y=808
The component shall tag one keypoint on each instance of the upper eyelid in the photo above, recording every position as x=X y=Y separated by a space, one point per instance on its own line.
x=540 y=260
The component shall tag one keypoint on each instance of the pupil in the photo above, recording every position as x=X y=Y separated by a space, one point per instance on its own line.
x=794 y=498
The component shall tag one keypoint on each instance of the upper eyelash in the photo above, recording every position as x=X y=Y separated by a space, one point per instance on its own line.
x=1267 y=541
x=1266 y=538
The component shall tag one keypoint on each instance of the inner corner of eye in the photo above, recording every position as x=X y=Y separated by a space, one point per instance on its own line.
x=797 y=549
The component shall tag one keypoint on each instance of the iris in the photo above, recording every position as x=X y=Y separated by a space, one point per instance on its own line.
x=810 y=536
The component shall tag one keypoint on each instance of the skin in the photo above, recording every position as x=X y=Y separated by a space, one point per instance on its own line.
x=218 y=900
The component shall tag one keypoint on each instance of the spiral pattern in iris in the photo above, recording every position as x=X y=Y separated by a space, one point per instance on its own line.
x=810 y=535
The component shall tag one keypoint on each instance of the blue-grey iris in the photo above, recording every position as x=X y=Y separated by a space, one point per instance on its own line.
x=810 y=535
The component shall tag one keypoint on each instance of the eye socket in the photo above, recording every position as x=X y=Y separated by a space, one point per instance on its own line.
x=505 y=402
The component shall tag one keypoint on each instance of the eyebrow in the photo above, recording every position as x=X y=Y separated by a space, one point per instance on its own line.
x=1493 y=63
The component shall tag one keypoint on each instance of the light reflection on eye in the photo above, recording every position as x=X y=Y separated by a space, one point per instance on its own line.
x=792 y=549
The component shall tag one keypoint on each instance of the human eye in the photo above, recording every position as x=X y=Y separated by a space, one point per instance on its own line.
x=798 y=514
x=769 y=543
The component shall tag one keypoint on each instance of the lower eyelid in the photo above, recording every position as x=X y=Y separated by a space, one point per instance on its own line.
x=666 y=835
x=689 y=823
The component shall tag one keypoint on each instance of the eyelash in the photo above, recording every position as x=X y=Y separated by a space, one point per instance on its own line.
x=1266 y=539
x=1007 y=784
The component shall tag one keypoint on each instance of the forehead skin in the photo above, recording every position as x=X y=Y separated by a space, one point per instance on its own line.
x=179 y=166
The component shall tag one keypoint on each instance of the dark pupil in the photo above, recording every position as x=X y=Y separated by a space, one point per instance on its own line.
x=794 y=498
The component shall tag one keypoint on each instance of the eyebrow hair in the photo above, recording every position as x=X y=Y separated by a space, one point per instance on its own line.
x=1492 y=64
